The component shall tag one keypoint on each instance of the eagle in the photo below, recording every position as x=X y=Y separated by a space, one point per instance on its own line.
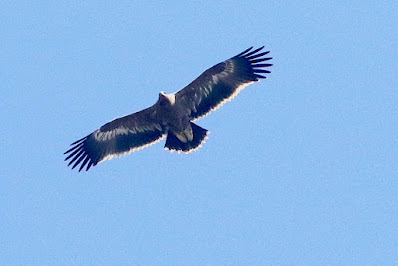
x=173 y=114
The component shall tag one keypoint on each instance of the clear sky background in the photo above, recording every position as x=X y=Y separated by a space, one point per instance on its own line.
x=300 y=168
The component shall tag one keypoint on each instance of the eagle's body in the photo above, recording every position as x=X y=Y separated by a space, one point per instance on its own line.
x=172 y=114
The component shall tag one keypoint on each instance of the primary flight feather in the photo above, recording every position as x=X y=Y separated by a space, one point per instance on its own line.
x=172 y=114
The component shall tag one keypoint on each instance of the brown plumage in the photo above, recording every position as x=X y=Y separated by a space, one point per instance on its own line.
x=172 y=114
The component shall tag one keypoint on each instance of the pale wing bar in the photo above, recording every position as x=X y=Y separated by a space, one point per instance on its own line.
x=223 y=81
x=117 y=137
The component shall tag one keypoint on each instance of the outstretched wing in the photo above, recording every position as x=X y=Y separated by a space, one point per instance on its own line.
x=122 y=135
x=222 y=82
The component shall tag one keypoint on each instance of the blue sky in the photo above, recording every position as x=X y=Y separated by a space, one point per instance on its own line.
x=300 y=168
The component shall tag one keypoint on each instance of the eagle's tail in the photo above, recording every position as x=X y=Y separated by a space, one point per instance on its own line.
x=173 y=143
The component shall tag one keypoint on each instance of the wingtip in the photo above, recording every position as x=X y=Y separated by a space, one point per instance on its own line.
x=244 y=52
x=80 y=140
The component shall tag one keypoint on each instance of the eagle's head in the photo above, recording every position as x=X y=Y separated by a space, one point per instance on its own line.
x=165 y=98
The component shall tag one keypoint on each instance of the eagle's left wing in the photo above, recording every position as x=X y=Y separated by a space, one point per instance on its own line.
x=222 y=82
x=121 y=135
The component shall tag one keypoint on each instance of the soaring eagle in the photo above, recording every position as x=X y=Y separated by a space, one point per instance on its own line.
x=172 y=114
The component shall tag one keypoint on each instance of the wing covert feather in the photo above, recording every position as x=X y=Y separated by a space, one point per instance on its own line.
x=119 y=136
x=222 y=82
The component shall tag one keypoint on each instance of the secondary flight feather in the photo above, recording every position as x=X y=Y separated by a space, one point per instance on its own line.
x=172 y=114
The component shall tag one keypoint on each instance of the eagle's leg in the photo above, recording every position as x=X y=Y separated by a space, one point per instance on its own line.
x=187 y=140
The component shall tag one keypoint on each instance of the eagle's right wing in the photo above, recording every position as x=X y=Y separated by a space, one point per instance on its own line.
x=222 y=82
x=121 y=135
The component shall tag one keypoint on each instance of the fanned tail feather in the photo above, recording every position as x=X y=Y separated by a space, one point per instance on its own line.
x=174 y=144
